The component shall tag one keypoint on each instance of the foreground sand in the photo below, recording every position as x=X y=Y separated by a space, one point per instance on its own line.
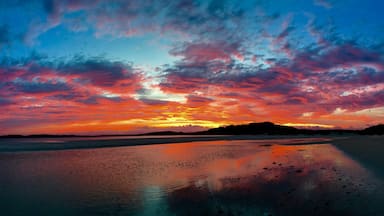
x=369 y=150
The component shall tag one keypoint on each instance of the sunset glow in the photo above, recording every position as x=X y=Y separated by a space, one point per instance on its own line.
x=120 y=67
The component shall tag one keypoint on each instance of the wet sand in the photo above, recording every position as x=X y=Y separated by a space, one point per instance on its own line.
x=368 y=150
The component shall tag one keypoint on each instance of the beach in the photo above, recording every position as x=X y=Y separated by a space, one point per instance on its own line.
x=216 y=175
x=369 y=150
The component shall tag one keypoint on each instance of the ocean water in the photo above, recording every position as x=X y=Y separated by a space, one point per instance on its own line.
x=243 y=177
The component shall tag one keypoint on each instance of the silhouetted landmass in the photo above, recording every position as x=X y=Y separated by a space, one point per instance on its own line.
x=253 y=129
x=374 y=130
x=262 y=128
x=269 y=128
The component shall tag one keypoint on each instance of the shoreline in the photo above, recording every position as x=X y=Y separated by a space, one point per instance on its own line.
x=33 y=144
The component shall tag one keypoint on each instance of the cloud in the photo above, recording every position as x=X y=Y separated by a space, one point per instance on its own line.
x=198 y=101
x=37 y=86
x=323 y=3
x=204 y=52
x=95 y=99
x=153 y=102
x=285 y=33
x=244 y=61
x=5 y=101
x=353 y=76
x=325 y=58
x=98 y=71
x=84 y=80
x=202 y=63
x=314 y=77
x=51 y=14
x=195 y=19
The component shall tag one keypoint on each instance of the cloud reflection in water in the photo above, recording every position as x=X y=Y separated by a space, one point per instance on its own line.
x=200 y=178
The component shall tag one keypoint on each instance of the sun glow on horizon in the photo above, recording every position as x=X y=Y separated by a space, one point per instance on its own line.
x=309 y=125
x=168 y=122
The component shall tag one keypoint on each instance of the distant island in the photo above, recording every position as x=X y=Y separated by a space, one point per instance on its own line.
x=260 y=128
x=269 y=128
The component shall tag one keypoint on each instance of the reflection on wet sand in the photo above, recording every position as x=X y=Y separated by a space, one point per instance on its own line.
x=201 y=178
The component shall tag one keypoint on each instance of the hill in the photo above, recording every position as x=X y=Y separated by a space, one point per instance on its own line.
x=267 y=128
x=374 y=130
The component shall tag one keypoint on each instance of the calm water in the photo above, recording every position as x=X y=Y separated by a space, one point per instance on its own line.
x=199 y=178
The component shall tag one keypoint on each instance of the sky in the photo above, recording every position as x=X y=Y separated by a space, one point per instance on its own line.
x=117 y=66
